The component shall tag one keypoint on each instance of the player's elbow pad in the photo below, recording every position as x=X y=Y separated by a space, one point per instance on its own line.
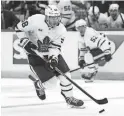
x=20 y=33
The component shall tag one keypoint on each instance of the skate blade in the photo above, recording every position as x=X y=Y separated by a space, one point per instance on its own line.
x=88 y=81
x=76 y=107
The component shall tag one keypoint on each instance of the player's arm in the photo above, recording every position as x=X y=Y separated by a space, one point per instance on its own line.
x=106 y=46
x=55 y=50
x=56 y=45
x=82 y=51
x=21 y=29
x=86 y=62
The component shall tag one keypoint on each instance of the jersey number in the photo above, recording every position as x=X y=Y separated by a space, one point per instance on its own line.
x=24 y=24
x=93 y=39
x=62 y=40
x=67 y=8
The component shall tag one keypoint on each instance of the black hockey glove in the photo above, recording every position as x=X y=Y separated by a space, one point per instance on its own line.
x=28 y=45
x=53 y=61
x=82 y=63
x=31 y=45
x=25 y=42
x=108 y=57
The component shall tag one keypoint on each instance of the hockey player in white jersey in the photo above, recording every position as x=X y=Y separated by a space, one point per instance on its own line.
x=116 y=19
x=96 y=19
x=95 y=49
x=42 y=37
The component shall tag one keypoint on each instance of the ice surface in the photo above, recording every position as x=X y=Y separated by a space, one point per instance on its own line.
x=19 y=99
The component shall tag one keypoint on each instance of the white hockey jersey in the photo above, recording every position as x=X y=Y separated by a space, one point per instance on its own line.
x=35 y=28
x=93 y=39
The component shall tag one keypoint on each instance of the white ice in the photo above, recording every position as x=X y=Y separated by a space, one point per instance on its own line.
x=19 y=99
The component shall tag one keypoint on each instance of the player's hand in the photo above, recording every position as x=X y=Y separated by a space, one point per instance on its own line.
x=82 y=63
x=108 y=57
x=53 y=61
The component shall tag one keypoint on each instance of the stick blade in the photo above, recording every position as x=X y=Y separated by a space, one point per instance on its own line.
x=103 y=101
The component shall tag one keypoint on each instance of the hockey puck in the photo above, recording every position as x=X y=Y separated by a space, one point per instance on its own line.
x=101 y=111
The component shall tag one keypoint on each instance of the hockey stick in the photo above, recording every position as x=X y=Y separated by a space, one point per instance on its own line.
x=75 y=69
x=100 y=102
x=79 y=68
x=96 y=57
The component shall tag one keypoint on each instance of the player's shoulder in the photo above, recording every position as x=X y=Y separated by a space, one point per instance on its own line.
x=61 y=28
x=37 y=17
x=90 y=31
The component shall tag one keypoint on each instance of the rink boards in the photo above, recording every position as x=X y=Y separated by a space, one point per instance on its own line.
x=14 y=63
